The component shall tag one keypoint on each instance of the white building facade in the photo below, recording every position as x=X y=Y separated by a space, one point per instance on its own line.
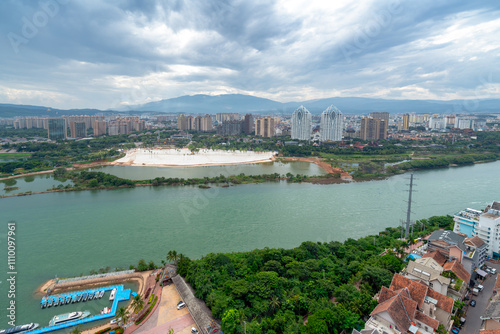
x=332 y=124
x=484 y=224
x=301 y=124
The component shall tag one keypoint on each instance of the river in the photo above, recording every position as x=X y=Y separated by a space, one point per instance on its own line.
x=66 y=234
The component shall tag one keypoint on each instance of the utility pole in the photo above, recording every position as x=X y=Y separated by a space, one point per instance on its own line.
x=409 y=207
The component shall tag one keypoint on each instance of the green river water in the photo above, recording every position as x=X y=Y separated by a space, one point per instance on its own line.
x=66 y=234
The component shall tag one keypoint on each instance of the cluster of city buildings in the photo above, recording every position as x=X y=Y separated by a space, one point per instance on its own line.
x=80 y=124
x=422 y=296
x=331 y=126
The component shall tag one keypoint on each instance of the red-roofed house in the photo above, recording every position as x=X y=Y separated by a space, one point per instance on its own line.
x=408 y=306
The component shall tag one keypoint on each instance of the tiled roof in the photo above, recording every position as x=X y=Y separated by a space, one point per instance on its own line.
x=444 y=302
x=474 y=241
x=400 y=309
x=385 y=294
x=490 y=331
x=417 y=291
x=427 y=320
x=437 y=256
x=458 y=269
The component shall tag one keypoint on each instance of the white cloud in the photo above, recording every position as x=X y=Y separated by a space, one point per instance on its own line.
x=95 y=54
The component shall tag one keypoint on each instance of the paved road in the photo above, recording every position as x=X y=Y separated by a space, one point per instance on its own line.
x=473 y=320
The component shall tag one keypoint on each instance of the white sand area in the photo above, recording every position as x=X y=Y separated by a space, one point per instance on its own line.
x=184 y=157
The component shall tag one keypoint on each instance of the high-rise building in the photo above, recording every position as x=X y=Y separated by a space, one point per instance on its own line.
x=182 y=122
x=464 y=123
x=226 y=116
x=406 y=122
x=248 y=124
x=382 y=116
x=100 y=127
x=230 y=128
x=332 y=124
x=264 y=127
x=78 y=129
x=301 y=124
x=372 y=129
x=206 y=124
x=58 y=128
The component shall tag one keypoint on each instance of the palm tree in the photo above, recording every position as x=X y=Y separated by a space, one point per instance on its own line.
x=275 y=302
x=122 y=314
x=137 y=304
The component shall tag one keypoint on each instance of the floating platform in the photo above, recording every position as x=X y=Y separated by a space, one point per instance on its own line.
x=121 y=295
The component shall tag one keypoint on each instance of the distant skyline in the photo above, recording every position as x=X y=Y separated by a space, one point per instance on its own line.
x=94 y=54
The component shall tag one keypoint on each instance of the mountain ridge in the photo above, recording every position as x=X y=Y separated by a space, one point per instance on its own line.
x=239 y=103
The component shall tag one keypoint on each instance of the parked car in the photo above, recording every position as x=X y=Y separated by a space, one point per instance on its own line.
x=480 y=287
x=493 y=271
x=455 y=330
x=180 y=305
x=194 y=330
x=473 y=303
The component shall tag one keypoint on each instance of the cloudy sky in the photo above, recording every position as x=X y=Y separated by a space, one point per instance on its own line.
x=107 y=54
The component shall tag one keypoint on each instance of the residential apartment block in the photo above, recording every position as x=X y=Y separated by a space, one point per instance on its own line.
x=301 y=124
x=483 y=224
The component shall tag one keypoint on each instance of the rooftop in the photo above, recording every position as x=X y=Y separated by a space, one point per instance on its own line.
x=449 y=237
x=474 y=241
x=493 y=309
x=436 y=256
x=469 y=214
x=458 y=269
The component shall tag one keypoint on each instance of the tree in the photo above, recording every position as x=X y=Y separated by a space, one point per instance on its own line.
x=172 y=256
x=137 y=304
x=230 y=321
x=123 y=315
x=275 y=302
x=441 y=329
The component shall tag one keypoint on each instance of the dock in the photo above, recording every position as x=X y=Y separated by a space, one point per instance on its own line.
x=121 y=295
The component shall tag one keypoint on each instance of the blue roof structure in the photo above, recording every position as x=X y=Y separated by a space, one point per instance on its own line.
x=121 y=294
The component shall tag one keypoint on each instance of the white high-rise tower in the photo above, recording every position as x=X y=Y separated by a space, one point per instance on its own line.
x=332 y=124
x=301 y=124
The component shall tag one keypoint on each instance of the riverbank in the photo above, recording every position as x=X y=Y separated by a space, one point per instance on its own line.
x=324 y=165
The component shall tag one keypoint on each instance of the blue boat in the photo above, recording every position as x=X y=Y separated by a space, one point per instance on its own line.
x=85 y=296
x=68 y=299
x=56 y=302
x=79 y=298
x=49 y=302
x=91 y=295
x=73 y=299
x=44 y=304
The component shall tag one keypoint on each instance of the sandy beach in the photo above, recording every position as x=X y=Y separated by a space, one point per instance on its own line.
x=185 y=158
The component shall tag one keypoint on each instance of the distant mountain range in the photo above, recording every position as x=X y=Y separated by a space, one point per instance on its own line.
x=200 y=104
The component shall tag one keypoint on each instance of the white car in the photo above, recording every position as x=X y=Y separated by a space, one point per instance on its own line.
x=180 y=305
x=194 y=330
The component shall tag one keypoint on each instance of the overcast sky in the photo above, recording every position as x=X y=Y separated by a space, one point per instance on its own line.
x=97 y=54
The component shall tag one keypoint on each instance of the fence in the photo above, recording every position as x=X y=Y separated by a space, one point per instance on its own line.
x=82 y=278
